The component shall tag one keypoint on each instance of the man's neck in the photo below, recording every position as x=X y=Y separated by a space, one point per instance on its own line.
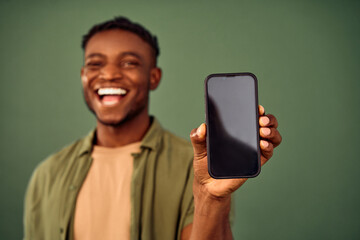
x=128 y=132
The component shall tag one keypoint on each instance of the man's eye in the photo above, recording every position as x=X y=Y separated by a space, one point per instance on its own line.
x=129 y=64
x=94 y=64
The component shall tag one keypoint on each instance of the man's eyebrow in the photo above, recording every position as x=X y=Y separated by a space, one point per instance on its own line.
x=124 y=54
x=94 y=55
x=134 y=54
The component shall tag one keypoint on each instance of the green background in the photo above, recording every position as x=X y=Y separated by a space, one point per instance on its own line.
x=306 y=56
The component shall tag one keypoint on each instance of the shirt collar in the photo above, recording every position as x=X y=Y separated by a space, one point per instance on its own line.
x=87 y=143
x=151 y=139
x=153 y=135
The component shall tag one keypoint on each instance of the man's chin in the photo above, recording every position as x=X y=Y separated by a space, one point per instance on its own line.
x=118 y=119
x=111 y=122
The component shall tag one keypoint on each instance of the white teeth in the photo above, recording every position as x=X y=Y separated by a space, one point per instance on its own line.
x=111 y=91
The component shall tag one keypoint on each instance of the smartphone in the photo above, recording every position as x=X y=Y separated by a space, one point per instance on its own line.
x=232 y=118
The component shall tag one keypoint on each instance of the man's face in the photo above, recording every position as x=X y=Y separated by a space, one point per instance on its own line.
x=118 y=72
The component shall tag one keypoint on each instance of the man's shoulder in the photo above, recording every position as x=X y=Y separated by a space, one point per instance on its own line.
x=177 y=141
x=65 y=155
x=177 y=148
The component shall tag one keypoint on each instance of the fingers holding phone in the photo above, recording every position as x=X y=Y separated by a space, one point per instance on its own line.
x=269 y=135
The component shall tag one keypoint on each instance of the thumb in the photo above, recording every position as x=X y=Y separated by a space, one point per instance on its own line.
x=198 y=140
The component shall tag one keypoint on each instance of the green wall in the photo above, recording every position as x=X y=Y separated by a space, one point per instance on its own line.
x=306 y=55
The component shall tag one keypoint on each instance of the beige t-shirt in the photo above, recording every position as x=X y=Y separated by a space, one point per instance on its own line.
x=103 y=206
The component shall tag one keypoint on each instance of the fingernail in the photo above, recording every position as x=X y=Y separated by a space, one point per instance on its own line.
x=265 y=131
x=199 y=129
x=261 y=109
x=264 y=120
x=265 y=144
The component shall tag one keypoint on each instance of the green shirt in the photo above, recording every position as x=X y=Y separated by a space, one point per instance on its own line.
x=161 y=188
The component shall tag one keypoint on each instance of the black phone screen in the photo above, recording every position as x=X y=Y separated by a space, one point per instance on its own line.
x=232 y=125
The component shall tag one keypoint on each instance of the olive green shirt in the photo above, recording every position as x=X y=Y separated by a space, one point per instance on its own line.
x=161 y=188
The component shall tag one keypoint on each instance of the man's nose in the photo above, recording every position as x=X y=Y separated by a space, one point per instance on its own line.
x=110 y=72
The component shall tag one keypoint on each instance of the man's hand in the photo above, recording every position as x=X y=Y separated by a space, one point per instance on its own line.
x=219 y=188
x=212 y=197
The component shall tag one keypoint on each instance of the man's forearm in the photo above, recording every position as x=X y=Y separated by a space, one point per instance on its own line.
x=211 y=217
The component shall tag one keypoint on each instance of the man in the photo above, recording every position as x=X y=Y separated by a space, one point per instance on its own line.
x=130 y=179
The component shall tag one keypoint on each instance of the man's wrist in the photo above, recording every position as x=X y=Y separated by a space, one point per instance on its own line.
x=207 y=203
x=211 y=215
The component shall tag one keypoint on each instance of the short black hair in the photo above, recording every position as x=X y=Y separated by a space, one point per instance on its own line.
x=123 y=23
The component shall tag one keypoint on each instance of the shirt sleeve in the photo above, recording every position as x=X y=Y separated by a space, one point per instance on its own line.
x=189 y=216
x=32 y=225
x=188 y=201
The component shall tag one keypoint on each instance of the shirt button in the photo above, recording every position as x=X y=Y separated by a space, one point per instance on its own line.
x=72 y=187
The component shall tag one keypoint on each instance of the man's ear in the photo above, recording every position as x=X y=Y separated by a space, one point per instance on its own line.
x=82 y=73
x=155 y=77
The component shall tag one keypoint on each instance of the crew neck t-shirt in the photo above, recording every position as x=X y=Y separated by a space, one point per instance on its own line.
x=103 y=206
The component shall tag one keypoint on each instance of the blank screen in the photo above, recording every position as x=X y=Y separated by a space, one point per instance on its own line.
x=232 y=126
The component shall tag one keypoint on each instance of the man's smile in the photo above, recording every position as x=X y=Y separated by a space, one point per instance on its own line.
x=110 y=96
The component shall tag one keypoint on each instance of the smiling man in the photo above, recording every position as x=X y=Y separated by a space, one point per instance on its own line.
x=130 y=178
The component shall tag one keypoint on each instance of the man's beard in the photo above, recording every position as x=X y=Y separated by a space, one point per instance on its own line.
x=128 y=117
